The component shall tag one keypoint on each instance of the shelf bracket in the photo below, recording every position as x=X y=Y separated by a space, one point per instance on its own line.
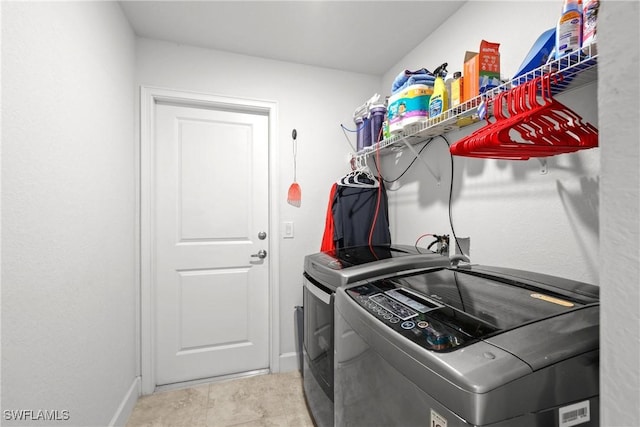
x=415 y=152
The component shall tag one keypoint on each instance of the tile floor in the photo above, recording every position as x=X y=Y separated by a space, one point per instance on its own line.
x=274 y=400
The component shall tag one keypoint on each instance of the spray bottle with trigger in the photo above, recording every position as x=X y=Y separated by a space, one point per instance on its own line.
x=439 y=101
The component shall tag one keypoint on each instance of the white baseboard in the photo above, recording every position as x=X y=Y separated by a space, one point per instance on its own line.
x=125 y=409
x=289 y=362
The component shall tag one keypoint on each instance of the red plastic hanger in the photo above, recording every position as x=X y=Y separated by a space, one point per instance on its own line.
x=531 y=127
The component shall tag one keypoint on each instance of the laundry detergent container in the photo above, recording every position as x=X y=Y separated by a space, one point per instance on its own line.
x=409 y=106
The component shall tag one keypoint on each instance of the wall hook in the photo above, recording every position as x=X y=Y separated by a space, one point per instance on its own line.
x=544 y=169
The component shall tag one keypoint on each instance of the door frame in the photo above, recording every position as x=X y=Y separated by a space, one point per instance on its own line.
x=149 y=96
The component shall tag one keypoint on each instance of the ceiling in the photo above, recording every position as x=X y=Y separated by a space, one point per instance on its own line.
x=360 y=36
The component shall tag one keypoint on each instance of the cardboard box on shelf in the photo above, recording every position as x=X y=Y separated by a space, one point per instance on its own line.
x=481 y=70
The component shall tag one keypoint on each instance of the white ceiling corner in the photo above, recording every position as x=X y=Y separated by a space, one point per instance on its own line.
x=345 y=35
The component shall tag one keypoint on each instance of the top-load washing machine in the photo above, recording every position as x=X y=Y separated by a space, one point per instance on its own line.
x=468 y=346
x=324 y=272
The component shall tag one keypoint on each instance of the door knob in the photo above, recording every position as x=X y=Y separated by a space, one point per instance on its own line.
x=262 y=254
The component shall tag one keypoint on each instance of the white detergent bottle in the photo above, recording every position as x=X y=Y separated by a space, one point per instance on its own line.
x=569 y=29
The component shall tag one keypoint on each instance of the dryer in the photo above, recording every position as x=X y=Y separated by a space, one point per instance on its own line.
x=468 y=346
x=324 y=272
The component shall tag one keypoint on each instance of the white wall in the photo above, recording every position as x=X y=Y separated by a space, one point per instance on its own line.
x=68 y=212
x=313 y=100
x=619 y=110
x=515 y=216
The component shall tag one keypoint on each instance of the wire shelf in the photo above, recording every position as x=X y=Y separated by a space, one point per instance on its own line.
x=577 y=69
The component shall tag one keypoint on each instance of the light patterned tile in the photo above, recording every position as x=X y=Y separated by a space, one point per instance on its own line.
x=300 y=419
x=281 y=421
x=184 y=407
x=230 y=410
x=274 y=400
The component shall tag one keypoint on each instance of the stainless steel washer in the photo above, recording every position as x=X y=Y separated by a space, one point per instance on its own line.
x=472 y=346
x=324 y=272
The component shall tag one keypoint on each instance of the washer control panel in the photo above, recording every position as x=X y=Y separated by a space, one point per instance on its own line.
x=428 y=323
x=392 y=306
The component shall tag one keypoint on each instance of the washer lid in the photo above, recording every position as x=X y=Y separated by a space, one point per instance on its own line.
x=504 y=303
x=539 y=323
x=553 y=340
x=349 y=265
x=359 y=255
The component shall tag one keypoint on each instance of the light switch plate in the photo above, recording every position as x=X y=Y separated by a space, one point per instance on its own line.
x=287 y=229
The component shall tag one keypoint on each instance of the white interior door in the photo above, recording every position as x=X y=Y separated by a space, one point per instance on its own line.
x=209 y=208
